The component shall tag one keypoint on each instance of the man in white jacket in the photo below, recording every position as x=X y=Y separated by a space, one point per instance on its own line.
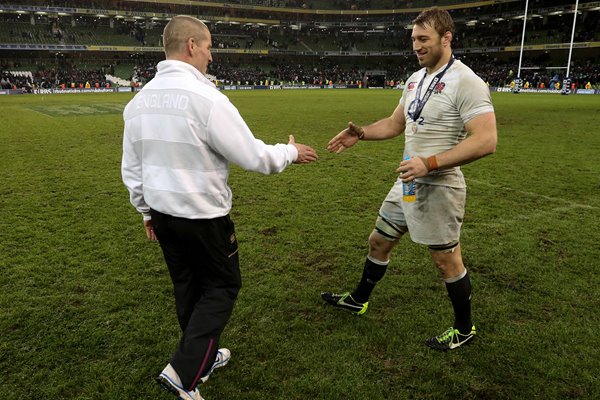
x=180 y=135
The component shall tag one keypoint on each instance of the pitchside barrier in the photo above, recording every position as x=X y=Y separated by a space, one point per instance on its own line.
x=270 y=87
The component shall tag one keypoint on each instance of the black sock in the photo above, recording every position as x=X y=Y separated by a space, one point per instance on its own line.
x=372 y=273
x=459 y=292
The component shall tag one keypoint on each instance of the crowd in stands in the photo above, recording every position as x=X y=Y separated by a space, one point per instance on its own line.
x=143 y=72
x=503 y=74
x=282 y=40
x=12 y=81
x=69 y=78
x=134 y=29
x=313 y=71
x=286 y=72
x=55 y=76
x=324 y=70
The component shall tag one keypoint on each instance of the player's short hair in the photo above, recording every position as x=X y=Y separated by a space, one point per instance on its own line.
x=179 y=29
x=438 y=18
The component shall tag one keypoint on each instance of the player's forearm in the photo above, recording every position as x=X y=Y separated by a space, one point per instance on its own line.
x=383 y=129
x=481 y=142
x=469 y=150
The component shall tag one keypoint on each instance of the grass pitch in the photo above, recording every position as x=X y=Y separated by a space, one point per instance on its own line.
x=86 y=305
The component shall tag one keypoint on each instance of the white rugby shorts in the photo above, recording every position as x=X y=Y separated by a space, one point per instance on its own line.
x=434 y=218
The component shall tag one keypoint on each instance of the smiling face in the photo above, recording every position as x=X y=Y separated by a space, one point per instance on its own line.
x=431 y=37
x=431 y=49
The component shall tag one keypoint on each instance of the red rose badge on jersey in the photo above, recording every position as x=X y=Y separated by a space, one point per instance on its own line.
x=411 y=86
x=439 y=87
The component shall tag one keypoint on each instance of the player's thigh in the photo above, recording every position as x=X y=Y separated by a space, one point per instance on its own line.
x=436 y=217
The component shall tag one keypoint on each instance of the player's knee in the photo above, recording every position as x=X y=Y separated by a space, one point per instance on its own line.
x=447 y=259
x=448 y=267
x=380 y=248
x=378 y=243
x=441 y=266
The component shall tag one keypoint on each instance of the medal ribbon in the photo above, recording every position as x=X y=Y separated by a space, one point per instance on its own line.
x=421 y=103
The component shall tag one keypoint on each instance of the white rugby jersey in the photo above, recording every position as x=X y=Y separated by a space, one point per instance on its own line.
x=180 y=135
x=458 y=97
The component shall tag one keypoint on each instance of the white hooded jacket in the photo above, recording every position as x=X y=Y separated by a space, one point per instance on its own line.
x=180 y=135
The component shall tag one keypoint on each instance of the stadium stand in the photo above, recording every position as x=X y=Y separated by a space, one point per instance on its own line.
x=291 y=41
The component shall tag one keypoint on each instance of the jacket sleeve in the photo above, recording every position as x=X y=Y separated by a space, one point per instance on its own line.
x=131 y=173
x=229 y=135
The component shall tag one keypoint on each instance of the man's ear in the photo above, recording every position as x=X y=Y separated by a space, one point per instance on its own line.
x=189 y=46
x=447 y=38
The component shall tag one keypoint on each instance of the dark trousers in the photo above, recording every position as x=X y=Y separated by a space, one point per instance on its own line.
x=202 y=257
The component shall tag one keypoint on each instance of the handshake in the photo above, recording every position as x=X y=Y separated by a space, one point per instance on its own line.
x=306 y=154
x=346 y=138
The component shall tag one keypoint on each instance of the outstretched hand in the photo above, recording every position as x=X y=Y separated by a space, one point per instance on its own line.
x=346 y=138
x=306 y=154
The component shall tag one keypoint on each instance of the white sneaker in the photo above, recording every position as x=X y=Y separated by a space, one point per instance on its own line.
x=223 y=357
x=169 y=381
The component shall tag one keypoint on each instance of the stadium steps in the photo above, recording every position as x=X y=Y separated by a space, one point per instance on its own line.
x=117 y=81
x=22 y=73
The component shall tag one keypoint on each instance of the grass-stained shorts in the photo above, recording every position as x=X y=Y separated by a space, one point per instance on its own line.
x=434 y=218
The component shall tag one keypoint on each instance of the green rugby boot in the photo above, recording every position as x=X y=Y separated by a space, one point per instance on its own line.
x=346 y=302
x=450 y=339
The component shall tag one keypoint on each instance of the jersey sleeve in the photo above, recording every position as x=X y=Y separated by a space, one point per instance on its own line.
x=473 y=98
x=229 y=135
